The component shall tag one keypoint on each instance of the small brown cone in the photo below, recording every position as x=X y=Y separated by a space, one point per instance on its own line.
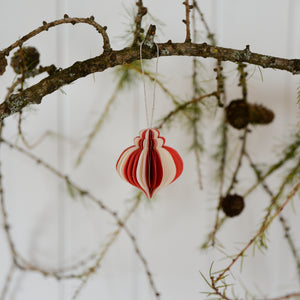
x=28 y=59
x=259 y=114
x=232 y=205
x=237 y=113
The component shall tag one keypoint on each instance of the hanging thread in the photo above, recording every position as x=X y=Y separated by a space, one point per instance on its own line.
x=149 y=119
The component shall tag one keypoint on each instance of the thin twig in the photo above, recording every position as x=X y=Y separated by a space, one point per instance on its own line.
x=152 y=78
x=211 y=237
x=221 y=97
x=7 y=233
x=289 y=153
x=288 y=296
x=243 y=84
x=239 y=163
x=196 y=113
x=258 y=175
x=261 y=230
x=21 y=132
x=99 y=123
x=243 y=80
x=6 y=225
x=274 y=200
x=218 y=224
x=143 y=259
x=11 y=89
x=220 y=84
x=42 y=138
x=210 y=35
x=282 y=219
x=8 y=281
x=182 y=107
x=198 y=168
x=85 y=277
x=80 y=263
x=65 y=20
x=138 y=22
x=216 y=289
x=291 y=243
x=187 y=20
x=78 y=290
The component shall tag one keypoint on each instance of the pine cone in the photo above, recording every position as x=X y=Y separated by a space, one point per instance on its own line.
x=28 y=59
x=259 y=114
x=237 y=113
x=232 y=205
x=3 y=64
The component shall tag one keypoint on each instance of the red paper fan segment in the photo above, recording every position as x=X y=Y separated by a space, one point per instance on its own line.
x=149 y=165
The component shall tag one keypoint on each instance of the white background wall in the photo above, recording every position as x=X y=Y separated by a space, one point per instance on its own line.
x=52 y=229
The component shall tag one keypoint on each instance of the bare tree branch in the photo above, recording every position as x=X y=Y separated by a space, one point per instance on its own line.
x=109 y=59
x=188 y=7
x=65 y=20
x=8 y=281
x=138 y=22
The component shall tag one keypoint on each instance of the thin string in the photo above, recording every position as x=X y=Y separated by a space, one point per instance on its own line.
x=149 y=120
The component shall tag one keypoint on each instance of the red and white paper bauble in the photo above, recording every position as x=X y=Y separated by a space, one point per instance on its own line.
x=149 y=165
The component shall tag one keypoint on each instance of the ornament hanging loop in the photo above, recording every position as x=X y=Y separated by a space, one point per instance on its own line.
x=149 y=107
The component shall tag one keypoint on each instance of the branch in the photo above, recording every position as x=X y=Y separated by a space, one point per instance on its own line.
x=35 y=93
x=188 y=7
x=138 y=22
x=210 y=35
x=182 y=107
x=145 y=263
x=287 y=296
x=8 y=281
x=65 y=20
x=121 y=225
x=99 y=123
x=282 y=219
x=289 y=153
x=261 y=230
x=243 y=84
x=216 y=289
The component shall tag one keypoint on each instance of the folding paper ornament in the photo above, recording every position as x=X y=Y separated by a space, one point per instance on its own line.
x=149 y=165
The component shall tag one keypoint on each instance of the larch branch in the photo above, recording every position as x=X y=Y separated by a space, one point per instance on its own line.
x=65 y=20
x=109 y=59
x=138 y=22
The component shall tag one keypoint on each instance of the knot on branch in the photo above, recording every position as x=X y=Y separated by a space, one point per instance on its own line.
x=247 y=52
x=149 y=39
x=142 y=11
